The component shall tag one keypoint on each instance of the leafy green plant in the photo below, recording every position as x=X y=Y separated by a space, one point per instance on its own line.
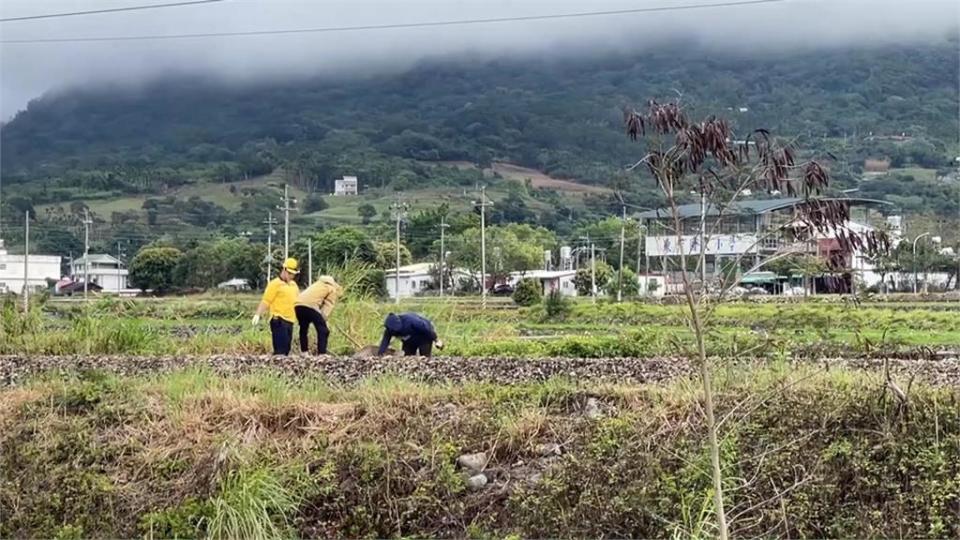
x=154 y=268
x=528 y=292
x=585 y=279
x=556 y=305
x=185 y=521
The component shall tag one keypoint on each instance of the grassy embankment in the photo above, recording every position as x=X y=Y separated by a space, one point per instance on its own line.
x=191 y=454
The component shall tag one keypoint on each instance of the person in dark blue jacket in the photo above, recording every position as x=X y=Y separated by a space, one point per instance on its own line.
x=416 y=333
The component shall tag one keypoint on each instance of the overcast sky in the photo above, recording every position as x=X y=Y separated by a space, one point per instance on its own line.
x=29 y=70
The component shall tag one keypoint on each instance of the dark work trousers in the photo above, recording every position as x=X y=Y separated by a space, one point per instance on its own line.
x=307 y=316
x=282 y=332
x=413 y=346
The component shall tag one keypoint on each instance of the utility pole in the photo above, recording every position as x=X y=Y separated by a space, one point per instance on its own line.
x=483 y=204
x=26 y=262
x=286 y=219
x=957 y=281
x=703 y=238
x=119 y=263
x=915 y=273
x=270 y=222
x=593 y=272
x=86 y=251
x=399 y=212
x=309 y=261
x=443 y=253
x=623 y=225
x=640 y=249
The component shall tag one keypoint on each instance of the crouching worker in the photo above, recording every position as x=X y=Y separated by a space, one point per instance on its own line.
x=278 y=300
x=313 y=308
x=416 y=333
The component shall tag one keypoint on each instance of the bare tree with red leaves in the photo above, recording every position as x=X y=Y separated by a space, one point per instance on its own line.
x=705 y=157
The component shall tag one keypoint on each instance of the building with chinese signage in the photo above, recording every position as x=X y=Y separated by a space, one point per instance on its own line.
x=742 y=234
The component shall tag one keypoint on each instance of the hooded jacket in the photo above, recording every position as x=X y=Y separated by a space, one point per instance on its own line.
x=406 y=326
x=321 y=296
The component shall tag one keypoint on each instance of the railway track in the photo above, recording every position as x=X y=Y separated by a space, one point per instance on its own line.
x=15 y=370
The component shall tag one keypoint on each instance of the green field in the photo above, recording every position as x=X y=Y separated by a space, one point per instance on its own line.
x=212 y=324
x=219 y=193
x=341 y=210
x=926 y=175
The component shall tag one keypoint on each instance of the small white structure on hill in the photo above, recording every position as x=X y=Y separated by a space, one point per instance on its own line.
x=345 y=186
x=105 y=270
x=39 y=269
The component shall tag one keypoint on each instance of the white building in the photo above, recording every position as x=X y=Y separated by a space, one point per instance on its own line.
x=550 y=280
x=39 y=269
x=414 y=279
x=345 y=186
x=417 y=278
x=106 y=271
x=749 y=231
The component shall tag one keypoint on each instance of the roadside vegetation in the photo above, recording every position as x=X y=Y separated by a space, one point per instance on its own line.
x=191 y=454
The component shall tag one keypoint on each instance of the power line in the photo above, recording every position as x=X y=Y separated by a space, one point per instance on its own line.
x=394 y=26
x=109 y=10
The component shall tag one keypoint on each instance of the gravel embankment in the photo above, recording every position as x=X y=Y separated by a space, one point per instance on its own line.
x=15 y=369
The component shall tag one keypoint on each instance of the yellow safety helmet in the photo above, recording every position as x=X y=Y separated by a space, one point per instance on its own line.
x=290 y=265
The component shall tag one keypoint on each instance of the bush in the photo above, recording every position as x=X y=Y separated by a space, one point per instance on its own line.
x=631 y=286
x=153 y=268
x=314 y=203
x=556 y=305
x=583 y=280
x=528 y=292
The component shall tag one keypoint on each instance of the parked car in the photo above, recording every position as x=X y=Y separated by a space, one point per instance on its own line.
x=502 y=289
x=794 y=291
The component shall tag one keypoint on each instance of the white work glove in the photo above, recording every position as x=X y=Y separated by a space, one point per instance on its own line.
x=256 y=319
x=438 y=344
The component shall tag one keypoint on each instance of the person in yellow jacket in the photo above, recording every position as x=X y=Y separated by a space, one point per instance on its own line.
x=313 y=307
x=279 y=299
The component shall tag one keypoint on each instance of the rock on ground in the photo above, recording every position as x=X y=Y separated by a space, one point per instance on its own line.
x=473 y=462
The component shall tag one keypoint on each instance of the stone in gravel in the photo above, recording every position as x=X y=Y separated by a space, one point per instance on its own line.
x=592 y=409
x=477 y=481
x=548 y=449
x=473 y=462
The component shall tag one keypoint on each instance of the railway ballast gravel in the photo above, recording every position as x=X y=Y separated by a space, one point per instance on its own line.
x=18 y=368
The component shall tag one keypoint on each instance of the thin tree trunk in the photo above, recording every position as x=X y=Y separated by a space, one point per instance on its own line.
x=705 y=377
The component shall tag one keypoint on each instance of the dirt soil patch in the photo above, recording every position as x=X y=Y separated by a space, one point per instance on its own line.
x=538 y=179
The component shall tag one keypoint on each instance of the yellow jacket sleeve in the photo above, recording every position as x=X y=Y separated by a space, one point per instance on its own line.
x=270 y=293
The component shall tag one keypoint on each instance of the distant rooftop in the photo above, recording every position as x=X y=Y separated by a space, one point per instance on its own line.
x=748 y=207
x=97 y=259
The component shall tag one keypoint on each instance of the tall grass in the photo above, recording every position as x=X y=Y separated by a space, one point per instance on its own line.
x=252 y=503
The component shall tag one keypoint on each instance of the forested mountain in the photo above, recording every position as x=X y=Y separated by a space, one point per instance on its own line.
x=559 y=116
